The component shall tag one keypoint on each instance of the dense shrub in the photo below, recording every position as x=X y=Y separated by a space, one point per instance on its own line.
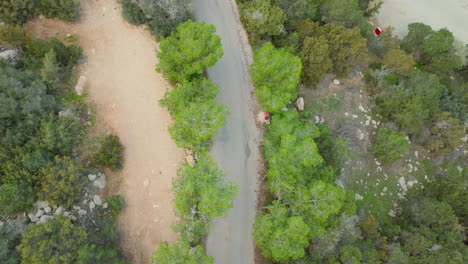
x=110 y=153
x=180 y=253
x=68 y=10
x=132 y=12
x=54 y=242
x=61 y=182
x=389 y=146
x=446 y=134
x=20 y=11
x=15 y=198
x=261 y=18
x=115 y=204
x=14 y=36
x=9 y=238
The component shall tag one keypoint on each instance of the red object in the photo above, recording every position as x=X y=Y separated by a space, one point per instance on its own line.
x=377 y=31
x=267 y=116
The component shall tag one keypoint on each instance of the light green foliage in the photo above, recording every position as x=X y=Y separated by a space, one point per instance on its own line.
x=54 y=242
x=291 y=153
x=276 y=74
x=345 y=13
x=50 y=71
x=446 y=134
x=315 y=58
x=399 y=62
x=316 y=204
x=186 y=53
x=261 y=18
x=201 y=193
x=110 y=153
x=196 y=124
x=180 y=253
x=15 y=198
x=200 y=89
x=281 y=237
x=350 y=255
x=61 y=182
x=388 y=146
x=434 y=49
x=68 y=10
x=412 y=102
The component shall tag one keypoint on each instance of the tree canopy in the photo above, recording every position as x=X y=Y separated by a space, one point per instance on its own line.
x=276 y=74
x=180 y=253
x=262 y=18
x=185 y=53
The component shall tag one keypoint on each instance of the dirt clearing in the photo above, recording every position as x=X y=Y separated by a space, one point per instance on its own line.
x=119 y=66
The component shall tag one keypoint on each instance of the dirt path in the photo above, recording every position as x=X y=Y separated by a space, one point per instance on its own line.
x=452 y=14
x=123 y=84
x=236 y=146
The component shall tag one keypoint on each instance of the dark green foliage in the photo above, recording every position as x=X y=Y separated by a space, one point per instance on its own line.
x=163 y=24
x=91 y=253
x=14 y=36
x=20 y=11
x=261 y=18
x=15 y=198
x=61 y=182
x=389 y=146
x=115 y=204
x=298 y=10
x=60 y=135
x=68 y=10
x=110 y=153
x=132 y=12
x=55 y=242
x=345 y=13
x=9 y=238
x=315 y=58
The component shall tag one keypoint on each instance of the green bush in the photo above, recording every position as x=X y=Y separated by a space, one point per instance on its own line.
x=110 y=153
x=54 y=242
x=14 y=35
x=17 y=11
x=115 y=204
x=60 y=182
x=68 y=10
x=9 y=239
x=132 y=12
x=389 y=145
x=15 y=198
x=180 y=253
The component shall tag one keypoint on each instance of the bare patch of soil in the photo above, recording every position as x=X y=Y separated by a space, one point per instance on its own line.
x=119 y=66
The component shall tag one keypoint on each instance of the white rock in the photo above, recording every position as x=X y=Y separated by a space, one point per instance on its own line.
x=416 y=154
x=97 y=200
x=190 y=160
x=460 y=169
x=33 y=218
x=339 y=183
x=300 y=104
x=374 y=122
x=367 y=122
x=45 y=218
x=317 y=119
x=66 y=213
x=79 y=87
x=76 y=207
x=105 y=205
x=346 y=114
x=47 y=210
x=91 y=177
x=59 y=210
x=410 y=183
x=322 y=120
x=354 y=116
x=91 y=205
x=402 y=182
x=82 y=212
x=410 y=166
x=68 y=35
x=465 y=138
x=42 y=204
x=39 y=213
x=100 y=182
x=358 y=197
x=377 y=163
x=10 y=56
x=392 y=213
x=362 y=108
x=336 y=82
x=382 y=194
x=384 y=189
x=73 y=218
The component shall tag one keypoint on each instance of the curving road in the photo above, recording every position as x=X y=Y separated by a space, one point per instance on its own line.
x=235 y=147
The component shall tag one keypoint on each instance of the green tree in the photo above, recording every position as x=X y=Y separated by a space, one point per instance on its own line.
x=196 y=124
x=14 y=35
x=298 y=10
x=15 y=198
x=202 y=193
x=350 y=255
x=417 y=34
x=51 y=72
x=91 y=253
x=186 y=53
x=68 y=10
x=276 y=74
x=17 y=11
x=446 y=134
x=315 y=58
x=199 y=89
x=61 y=182
x=388 y=146
x=280 y=237
x=345 y=13
x=180 y=253
x=54 y=242
x=110 y=153
x=60 y=135
x=399 y=62
x=261 y=18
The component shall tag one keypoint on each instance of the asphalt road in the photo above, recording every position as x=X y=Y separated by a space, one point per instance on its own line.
x=235 y=147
